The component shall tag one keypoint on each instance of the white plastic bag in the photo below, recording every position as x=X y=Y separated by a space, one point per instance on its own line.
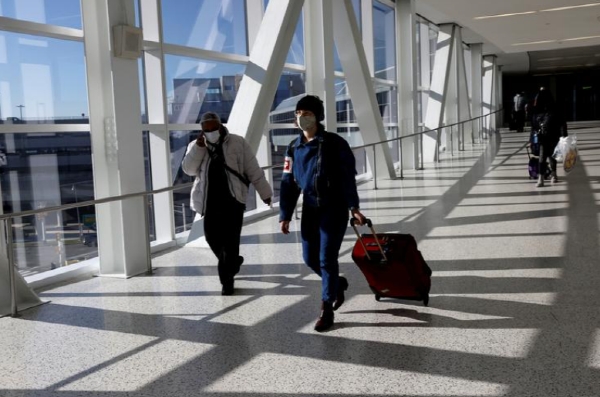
x=566 y=152
x=559 y=150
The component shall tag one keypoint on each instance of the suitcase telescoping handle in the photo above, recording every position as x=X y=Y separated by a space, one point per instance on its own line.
x=370 y=225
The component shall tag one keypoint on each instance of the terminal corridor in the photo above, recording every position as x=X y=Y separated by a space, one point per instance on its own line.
x=514 y=307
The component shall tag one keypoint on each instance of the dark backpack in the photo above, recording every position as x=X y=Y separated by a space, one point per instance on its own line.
x=543 y=122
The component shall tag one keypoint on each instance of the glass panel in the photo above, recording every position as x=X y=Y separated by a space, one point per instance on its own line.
x=358 y=13
x=433 y=36
x=195 y=86
x=42 y=170
x=136 y=4
x=352 y=135
x=65 y=13
x=394 y=146
x=384 y=41
x=217 y=25
x=296 y=53
x=291 y=87
x=56 y=239
x=184 y=216
x=42 y=80
x=387 y=98
x=343 y=103
x=148 y=177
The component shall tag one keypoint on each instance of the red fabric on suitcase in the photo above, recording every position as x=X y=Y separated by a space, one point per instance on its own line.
x=404 y=275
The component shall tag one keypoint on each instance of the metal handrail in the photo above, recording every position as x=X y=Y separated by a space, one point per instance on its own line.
x=424 y=132
x=189 y=184
x=7 y=219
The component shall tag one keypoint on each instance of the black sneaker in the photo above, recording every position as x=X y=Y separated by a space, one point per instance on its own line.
x=227 y=289
x=239 y=264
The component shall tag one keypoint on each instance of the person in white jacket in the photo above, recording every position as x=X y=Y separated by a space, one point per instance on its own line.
x=223 y=166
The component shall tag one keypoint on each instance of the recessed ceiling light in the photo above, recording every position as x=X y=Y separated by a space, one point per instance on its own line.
x=536 y=42
x=551 y=59
x=570 y=7
x=582 y=38
x=505 y=15
x=563 y=58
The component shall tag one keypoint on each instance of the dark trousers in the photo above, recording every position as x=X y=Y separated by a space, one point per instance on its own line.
x=322 y=231
x=222 y=230
x=547 y=147
x=519 y=117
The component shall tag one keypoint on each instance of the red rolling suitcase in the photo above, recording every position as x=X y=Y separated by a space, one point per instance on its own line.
x=392 y=265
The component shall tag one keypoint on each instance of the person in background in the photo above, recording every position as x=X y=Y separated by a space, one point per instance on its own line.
x=223 y=166
x=520 y=102
x=548 y=126
x=321 y=165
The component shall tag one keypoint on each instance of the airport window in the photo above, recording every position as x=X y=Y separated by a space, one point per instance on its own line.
x=66 y=13
x=216 y=25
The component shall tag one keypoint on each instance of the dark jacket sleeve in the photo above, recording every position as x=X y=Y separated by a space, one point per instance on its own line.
x=289 y=189
x=348 y=173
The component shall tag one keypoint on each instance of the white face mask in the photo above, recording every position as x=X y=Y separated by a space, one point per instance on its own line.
x=306 y=122
x=212 y=137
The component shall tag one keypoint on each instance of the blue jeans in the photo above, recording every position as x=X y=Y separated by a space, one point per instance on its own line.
x=322 y=231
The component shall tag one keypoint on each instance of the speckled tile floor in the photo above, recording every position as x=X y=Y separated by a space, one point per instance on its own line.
x=515 y=307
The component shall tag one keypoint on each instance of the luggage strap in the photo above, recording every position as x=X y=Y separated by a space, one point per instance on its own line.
x=370 y=225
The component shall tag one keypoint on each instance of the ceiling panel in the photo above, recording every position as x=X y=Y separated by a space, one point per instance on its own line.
x=538 y=30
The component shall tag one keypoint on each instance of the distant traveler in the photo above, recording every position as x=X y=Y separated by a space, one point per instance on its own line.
x=548 y=126
x=519 y=111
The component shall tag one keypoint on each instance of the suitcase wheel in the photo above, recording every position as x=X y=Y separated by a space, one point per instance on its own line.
x=426 y=300
x=377 y=297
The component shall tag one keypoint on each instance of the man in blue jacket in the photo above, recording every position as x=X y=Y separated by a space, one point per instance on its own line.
x=321 y=165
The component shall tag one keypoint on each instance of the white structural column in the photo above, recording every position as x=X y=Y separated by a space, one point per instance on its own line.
x=436 y=104
x=499 y=115
x=464 y=106
x=407 y=80
x=477 y=79
x=257 y=89
x=368 y=36
x=254 y=16
x=156 y=109
x=451 y=111
x=320 y=77
x=489 y=83
x=116 y=133
x=360 y=86
x=425 y=65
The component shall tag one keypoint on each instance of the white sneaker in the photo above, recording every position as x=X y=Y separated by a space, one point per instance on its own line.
x=540 y=182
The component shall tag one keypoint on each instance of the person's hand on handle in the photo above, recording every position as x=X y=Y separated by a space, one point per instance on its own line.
x=285 y=227
x=358 y=216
